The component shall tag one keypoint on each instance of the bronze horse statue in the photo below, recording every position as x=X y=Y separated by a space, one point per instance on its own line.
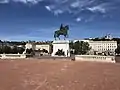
x=63 y=31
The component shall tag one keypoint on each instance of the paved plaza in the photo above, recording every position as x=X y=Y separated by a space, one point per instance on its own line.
x=36 y=74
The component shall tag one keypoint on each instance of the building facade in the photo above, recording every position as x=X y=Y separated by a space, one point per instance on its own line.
x=30 y=46
x=35 y=46
x=102 y=46
x=43 y=46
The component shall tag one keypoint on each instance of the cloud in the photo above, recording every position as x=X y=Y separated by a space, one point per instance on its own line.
x=75 y=7
x=75 y=4
x=97 y=9
x=79 y=7
x=4 y=1
x=48 y=8
x=58 y=11
x=22 y=1
x=78 y=19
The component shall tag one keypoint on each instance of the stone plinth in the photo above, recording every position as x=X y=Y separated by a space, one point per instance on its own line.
x=61 y=44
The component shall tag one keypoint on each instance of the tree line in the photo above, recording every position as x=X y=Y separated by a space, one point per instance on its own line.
x=79 y=47
x=14 y=50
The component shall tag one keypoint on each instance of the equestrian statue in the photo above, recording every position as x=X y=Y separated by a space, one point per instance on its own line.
x=62 y=31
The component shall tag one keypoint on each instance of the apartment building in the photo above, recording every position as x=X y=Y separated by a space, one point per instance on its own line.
x=102 y=46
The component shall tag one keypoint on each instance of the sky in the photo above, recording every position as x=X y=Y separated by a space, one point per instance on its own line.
x=38 y=19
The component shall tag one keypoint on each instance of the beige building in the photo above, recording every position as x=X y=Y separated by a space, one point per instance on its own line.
x=43 y=46
x=30 y=46
x=102 y=46
x=38 y=46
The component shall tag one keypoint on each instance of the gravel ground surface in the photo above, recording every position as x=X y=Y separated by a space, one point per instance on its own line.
x=58 y=75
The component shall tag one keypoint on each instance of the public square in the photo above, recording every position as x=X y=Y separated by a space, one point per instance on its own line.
x=34 y=74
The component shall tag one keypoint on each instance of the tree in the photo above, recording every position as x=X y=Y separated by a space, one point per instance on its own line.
x=81 y=47
x=71 y=45
x=14 y=50
x=21 y=50
x=1 y=50
x=117 y=51
x=60 y=52
x=6 y=49
x=44 y=51
x=51 y=48
x=28 y=51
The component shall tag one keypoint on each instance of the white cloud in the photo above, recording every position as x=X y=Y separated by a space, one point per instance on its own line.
x=74 y=7
x=4 y=1
x=55 y=11
x=22 y=1
x=75 y=4
x=78 y=19
x=28 y=1
x=98 y=8
x=48 y=8
x=81 y=3
x=58 y=11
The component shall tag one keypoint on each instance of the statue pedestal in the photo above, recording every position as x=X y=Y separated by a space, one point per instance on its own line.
x=61 y=45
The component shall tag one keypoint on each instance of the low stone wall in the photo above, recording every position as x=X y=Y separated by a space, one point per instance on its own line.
x=97 y=58
x=12 y=56
x=117 y=58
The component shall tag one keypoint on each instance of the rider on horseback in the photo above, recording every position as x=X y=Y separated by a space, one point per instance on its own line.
x=63 y=31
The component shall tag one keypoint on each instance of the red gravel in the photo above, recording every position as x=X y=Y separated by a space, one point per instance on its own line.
x=58 y=75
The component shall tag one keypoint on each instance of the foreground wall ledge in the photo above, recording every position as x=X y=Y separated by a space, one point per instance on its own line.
x=110 y=59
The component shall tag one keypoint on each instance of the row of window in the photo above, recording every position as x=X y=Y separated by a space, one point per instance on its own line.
x=107 y=46
x=104 y=44
x=106 y=49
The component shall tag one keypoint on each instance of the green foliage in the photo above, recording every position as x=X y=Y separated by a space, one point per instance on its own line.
x=71 y=44
x=100 y=39
x=117 y=51
x=60 y=52
x=13 y=42
x=20 y=50
x=44 y=51
x=8 y=50
x=29 y=51
x=81 y=47
x=14 y=50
